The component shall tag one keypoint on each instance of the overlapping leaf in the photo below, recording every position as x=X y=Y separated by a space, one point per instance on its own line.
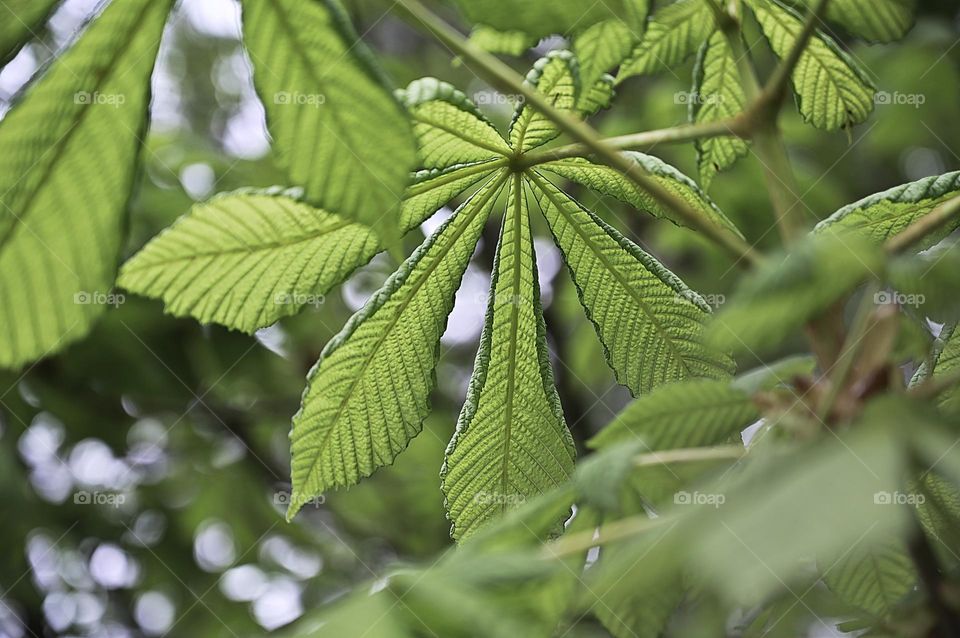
x=19 y=22
x=613 y=183
x=776 y=301
x=717 y=95
x=326 y=105
x=545 y=18
x=449 y=128
x=649 y=322
x=873 y=20
x=673 y=35
x=70 y=148
x=511 y=441
x=368 y=394
x=834 y=92
x=557 y=76
x=883 y=215
x=681 y=415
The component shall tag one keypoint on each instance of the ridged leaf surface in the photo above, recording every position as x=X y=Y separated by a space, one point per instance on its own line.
x=70 y=148
x=673 y=34
x=368 y=394
x=511 y=442
x=834 y=92
x=649 y=322
x=337 y=130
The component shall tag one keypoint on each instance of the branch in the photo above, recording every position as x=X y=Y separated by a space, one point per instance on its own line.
x=609 y=533
x=922 y=227
x=690 y=455
x=735 y=126
x=502 y=76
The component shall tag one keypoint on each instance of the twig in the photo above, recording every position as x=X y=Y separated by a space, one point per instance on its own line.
x=502 y=76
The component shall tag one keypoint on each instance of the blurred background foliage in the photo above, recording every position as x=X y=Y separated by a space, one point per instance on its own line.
x=143 y=471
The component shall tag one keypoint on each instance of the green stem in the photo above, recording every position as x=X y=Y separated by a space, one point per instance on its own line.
x=690 y=455
x=851 y=348
x=637 y=141
x=499 y=74
x=609 y=533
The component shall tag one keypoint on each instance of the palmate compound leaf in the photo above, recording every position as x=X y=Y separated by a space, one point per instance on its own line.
x=20 y=20
x=673 y=35
x=682 y=415
x=834 y=92
x=338 y=131
x=368 y=394
x=649 y=322
x=609 y=181
x=68 y=159
x=246 y=259
x=883 y=215
x=450 y=130
x=717 y=95
x=600 y=49
x=511 y=441
x=873 y=20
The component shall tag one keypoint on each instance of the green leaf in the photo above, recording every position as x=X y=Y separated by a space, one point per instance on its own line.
x=600 y=49
x=873 y=20
x=450 y=130
x=540 y=19
x=368 y=394
x=246 y=259
x=883 y=215
x=557 y=76
x=833 y=91
x=68 y=161
x=944 y=361
x=647 y=319
x=682 y=415
x=780 y=373
x=673 y=35
x=336 y=128
x=508 y=42
x=874 y=578
x=771 y=519
x=928 y=282
x=717 y=95
x=511 y=442
x=19 y=22
x=776 y=301
x=630 y=598
x=612 y=182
